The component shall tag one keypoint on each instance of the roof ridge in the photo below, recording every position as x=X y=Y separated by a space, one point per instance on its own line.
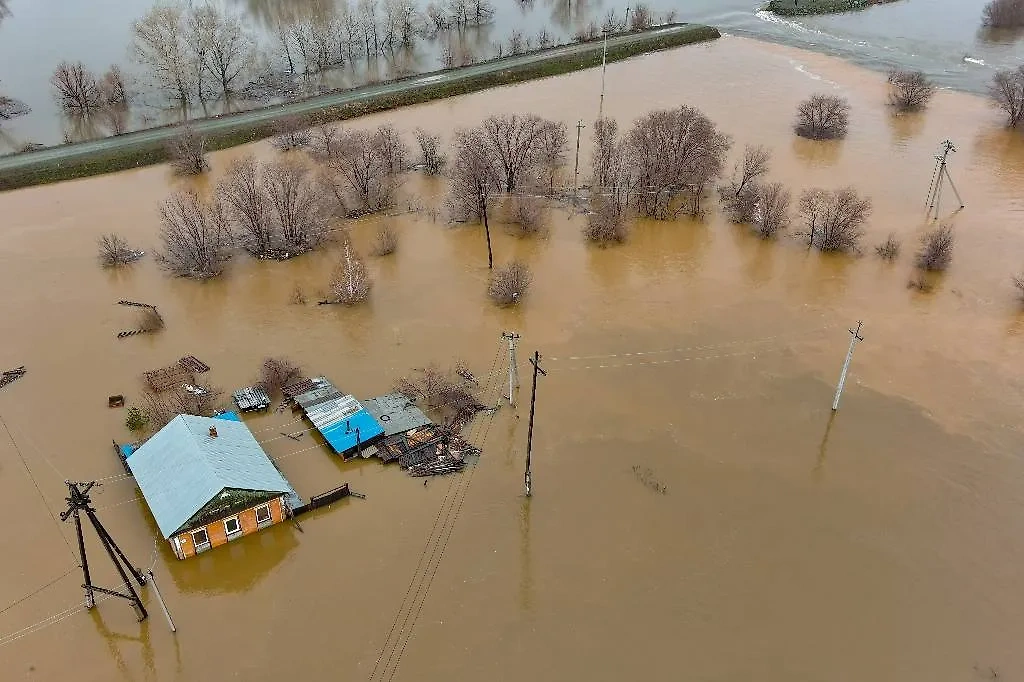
x=201 y=449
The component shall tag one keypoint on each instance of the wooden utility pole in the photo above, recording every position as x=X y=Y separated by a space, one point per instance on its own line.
x=78 y=501
x=513 y=368
x=487 y=231
x=576 y=173
x=535 y=361
x=939 y=177
x=855 y=334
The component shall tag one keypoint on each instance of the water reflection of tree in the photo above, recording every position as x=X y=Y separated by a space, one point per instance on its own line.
x=5 y=11
x=271 y=13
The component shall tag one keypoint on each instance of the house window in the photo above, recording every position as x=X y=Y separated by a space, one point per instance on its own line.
x=263 y=514
x=201 y=540
x=231 y=526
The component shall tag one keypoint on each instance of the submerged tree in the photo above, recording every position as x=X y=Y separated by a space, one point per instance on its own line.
x=276 y=373
x=114 y=251
x=823 y=117
x=292 y=132
x=936 y=252
x=1007 y=91
x=675 y=154
x=243 y=191
x=740 y=195
x=771 y=211
x=386 y=242
x=223 y=46
x=76 y=87
x=834 y=220
x=350 y=282
x=194 y=235
x=1003 y=14
x=889 y=250
x=606 y=222
x=160 y=45
x=296 y=204
x=510 y=283
x=909 y=90
x=431 y=157
x=367 y=166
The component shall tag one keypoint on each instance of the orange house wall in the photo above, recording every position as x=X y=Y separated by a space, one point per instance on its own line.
x=218 y=536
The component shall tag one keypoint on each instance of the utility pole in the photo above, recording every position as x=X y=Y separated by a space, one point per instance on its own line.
x=604 y=68
x=487 y=231
x=513 y=368
x=535 y=361
x=160 y=599
x=939 y=176
x=78 y=501
x=576 y=174
x=855 y=334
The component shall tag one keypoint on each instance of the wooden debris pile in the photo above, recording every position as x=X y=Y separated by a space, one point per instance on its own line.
x=12 y=375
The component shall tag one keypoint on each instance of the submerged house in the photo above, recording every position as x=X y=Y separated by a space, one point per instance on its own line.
x=207 y=482
x=340 y=418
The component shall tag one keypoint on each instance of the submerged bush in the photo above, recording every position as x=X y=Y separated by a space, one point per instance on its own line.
x=936 y=251
x=509 y=284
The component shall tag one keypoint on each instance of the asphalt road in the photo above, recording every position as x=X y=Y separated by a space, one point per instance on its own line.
x=256 y=116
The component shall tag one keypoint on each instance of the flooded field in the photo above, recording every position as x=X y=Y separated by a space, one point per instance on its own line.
x=944 y=38
x=697 y=511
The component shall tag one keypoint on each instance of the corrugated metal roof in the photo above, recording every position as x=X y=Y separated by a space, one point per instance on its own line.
x=339 y=418
x=396 y=413
x=182 y=467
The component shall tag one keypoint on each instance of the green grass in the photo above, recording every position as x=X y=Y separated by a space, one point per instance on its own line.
x=145 y=155
x=807 y=7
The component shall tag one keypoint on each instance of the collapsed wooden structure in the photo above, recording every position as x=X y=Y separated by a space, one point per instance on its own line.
x=12 y=375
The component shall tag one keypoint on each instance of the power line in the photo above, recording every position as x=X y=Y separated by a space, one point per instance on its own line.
x=38 y=590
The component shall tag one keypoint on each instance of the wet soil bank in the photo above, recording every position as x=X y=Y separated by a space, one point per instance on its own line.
x=697 y=507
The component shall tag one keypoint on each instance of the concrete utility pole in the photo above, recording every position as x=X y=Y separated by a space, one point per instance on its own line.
x=535 y=361
x=855 y=334
x=78 y=501
x=939 y=175
x=604 y=69
x=513 y=367
x=576 y=174
x=160 y=600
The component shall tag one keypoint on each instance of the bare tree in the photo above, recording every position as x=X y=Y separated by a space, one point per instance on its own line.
x=226 y=49
x=936 y=252
x=606 y=222
x=612 y=23
x=243 y=191
x=512 y=143
x=368 y=164
x=473 y=179
x=1003 y=14
x=160 y=45
x=909 y=90
x=187 y=151
x=1007 y=91
x=350 y=282
x=517 y=43
x=606 y=140
x=509 y=284
x=525 y=215
x=889 y=249
x=675 y=153
x=276 y=373
x=12 y=108
x=771 y=212
x=113 y=87
x=544 y=39
x=641 y=18
x=194 y=235
x=297 y=206
x=834 y=220
x=551 y=149
x=822 y=117
x=386 y=242
x=431 y=157
x=480 y=12
x=77 y=88
x=741 y=194
x=293 y=132
x=114 y=251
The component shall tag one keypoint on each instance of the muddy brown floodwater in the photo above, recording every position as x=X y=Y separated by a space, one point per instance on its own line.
x=697 y=514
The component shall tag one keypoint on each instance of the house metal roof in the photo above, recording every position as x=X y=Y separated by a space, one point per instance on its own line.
x=183 y=467
x=339 y=418
x=396 y=413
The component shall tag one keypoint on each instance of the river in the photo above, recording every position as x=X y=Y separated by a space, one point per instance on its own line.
x=698 y=511
x=941 y=37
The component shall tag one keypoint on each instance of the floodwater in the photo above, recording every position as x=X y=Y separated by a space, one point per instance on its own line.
x=941 y=37
x=697 y=511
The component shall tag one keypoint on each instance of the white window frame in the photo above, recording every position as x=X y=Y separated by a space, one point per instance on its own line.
x=200 y=546
x=270 y=515
x=232 y=533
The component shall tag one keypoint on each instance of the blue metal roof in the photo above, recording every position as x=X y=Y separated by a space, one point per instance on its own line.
x=182 y=468
x=339 y=418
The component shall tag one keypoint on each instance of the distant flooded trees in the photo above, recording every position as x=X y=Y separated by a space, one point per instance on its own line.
x=822 y=117
x=1003 y=14
x=194 y=234
x=909 y=90
x=87 y=97
x=834 y=220
x=1007 y=92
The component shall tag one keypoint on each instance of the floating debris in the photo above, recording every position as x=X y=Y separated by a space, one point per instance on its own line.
x=115 y=401
x=438 y=467
x=11 y=375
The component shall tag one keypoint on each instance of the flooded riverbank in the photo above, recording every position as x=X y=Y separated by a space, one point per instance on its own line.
x=878 y=544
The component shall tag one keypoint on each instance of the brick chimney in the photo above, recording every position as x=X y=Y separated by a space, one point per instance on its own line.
x=213 y=432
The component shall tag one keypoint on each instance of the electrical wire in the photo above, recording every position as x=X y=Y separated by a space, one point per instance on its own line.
x=38 y=590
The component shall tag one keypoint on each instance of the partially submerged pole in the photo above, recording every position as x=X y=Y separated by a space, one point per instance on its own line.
x=160 y=600
x=535 y=361
x=855 y=334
